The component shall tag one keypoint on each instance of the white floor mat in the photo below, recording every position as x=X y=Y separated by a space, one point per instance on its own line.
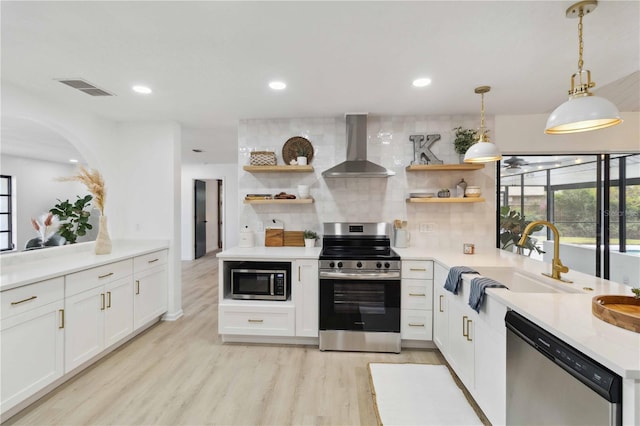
x=419 y=394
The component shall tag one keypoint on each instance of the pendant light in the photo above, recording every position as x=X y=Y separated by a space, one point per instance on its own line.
x=583 y=111
x=482 y=151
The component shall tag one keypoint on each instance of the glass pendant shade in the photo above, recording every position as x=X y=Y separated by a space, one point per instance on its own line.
x=482 y=152
x=582 y=114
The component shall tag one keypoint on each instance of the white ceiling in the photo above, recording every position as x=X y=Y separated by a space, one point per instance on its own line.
x=209 y=62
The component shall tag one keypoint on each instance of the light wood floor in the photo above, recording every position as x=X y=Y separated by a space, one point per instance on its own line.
x=180 y=373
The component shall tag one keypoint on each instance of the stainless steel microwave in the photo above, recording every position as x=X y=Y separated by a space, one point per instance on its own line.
x=260 y=284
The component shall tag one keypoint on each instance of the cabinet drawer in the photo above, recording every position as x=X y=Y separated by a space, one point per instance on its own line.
x=417 y=294
x=32 y=296
x=257 y=321
x=150 y=260
x=94 y=277
x=421 y=269
x=416 y=324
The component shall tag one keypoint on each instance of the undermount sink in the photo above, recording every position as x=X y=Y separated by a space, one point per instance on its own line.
x=525 y=282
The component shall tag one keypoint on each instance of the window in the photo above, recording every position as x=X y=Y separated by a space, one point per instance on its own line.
x=6 y=217
x=594 y=201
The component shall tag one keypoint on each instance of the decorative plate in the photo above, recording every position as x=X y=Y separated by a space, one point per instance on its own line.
x=293 y=146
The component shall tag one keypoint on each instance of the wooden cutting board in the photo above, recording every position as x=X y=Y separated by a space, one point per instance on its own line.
x=274 y=237
x=294 y=238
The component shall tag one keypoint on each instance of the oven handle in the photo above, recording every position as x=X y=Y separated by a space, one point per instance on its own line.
x=361 y=275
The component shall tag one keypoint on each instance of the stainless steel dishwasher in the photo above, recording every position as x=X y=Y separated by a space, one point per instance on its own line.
x=551 y=383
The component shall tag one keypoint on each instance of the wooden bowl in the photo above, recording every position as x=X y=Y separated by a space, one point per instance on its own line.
x=621 y=311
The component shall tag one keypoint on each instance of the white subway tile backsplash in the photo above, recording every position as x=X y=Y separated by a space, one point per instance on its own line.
x=361 y=199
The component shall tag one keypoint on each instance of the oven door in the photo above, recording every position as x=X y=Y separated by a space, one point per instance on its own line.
x=360 y=302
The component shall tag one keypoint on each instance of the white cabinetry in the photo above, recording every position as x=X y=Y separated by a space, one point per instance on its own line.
x=416 y=315
x=98 y=310
x=150 y=279
x=474 y=344
x=305 y=295
x=440 y=308
x=32 y=339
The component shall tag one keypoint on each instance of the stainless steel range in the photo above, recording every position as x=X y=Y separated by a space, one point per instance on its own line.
x=359 y=288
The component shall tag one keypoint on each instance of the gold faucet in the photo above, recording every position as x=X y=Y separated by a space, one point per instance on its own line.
x=556 y=266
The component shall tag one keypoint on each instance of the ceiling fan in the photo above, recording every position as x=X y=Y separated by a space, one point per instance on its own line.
x=515 y=163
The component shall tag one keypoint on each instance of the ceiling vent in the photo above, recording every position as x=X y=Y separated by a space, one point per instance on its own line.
x=85 y=86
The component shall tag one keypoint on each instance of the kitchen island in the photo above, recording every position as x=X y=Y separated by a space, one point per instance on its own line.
x=567 y=315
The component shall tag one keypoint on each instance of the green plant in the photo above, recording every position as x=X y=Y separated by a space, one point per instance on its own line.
x=464 y=139
x=302 y=151
x=310 y=235
x=75 y=218
x=512 y=223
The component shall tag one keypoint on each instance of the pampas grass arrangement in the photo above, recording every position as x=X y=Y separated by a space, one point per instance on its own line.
x=92 y=179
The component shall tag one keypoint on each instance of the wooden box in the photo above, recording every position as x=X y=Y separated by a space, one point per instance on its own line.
x=274 y=237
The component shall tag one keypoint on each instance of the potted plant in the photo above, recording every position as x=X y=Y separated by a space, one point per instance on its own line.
x=75 y=218
x=512 y=223
x=464 y=139
x=310 y=238
x=302 y=154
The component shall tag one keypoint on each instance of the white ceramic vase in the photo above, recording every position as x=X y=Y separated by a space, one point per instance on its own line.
x=103 y=241
x=302 y=161
x=309 y=242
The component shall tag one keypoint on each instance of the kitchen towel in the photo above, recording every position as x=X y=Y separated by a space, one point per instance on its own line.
x=454 y=279
x=478 y=285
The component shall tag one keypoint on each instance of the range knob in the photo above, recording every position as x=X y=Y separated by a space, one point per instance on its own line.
x=339 y=264
x=386 y=265
x=359 y=264
x=332 y=265
x=378 y=265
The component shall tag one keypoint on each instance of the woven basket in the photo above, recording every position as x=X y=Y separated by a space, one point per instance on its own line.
x=263 y=158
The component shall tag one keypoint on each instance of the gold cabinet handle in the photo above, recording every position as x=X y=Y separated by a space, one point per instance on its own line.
x=24 y=300
x=255 y=320
x=154 y=260
x=440 y=303
x=464 y=321
x=468 y=333
x=108 y=299
x=417 y=294
x=102 y=303
x=416 y=325
x=137 y=286
x=61 y=318
x=105 y=275
x=418 y=269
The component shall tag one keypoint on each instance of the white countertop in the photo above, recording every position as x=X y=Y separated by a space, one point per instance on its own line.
x=566 y=315
x=28 y=267
x=262 y=252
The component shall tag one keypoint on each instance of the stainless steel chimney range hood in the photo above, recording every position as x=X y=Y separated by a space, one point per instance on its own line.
x=357 y=164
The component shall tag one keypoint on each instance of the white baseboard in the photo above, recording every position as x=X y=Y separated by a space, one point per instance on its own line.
x=173 y=316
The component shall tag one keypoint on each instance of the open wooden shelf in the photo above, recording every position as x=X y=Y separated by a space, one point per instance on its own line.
x=283 y=201
x=446 y=200
x=274 y=169
x=443 y=167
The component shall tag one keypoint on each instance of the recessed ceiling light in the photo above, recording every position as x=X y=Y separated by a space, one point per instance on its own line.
x=421 y=82
x=144 y=90
x=277 y=85
x=73 y=160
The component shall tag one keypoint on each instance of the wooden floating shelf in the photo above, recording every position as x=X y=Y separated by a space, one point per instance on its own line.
x=443 y=167
x=446 y=200
x=274 y=169
x=283 y=201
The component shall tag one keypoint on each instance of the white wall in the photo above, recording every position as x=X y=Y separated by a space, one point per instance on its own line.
x=365 y=199
x=37 y=191
x=228 y=173
x=140 y=164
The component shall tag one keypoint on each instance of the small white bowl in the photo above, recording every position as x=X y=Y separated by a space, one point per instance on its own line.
x=472 y=191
